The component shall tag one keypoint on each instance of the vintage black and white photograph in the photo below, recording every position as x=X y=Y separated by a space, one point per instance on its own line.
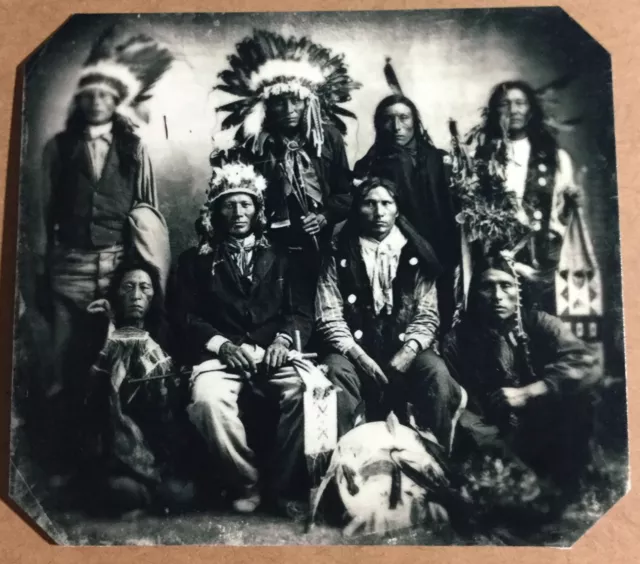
x=318 y=278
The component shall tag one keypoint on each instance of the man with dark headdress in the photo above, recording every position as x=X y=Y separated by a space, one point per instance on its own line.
x=133 y=398
x=240 y=303
x=403 y=153
x=95 y=173
x=527 y=376
x=377 y=313
x=516 y=143
x=289 y=112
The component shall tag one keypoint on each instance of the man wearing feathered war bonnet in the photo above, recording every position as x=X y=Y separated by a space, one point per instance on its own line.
x=240 y=302
x=516 y=143
x=377 y=313
x=288 y=113
x=94 y=174
x=527 y=376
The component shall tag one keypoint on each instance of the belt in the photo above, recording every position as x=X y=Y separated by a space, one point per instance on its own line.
x=59 y=247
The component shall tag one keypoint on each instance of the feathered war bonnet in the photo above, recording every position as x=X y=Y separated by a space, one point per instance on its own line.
x=127 y=65
x=229 y=175
x=267 y=64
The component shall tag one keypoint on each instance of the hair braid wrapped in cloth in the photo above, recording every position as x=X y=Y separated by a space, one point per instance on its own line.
x=267 y=64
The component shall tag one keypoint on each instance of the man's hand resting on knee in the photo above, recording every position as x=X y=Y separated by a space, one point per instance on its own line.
x=367 y=365
x=404 y=358
x=277 y=353
x=237 y=358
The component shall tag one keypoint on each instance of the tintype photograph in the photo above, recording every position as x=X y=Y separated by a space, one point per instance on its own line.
x=318 y=278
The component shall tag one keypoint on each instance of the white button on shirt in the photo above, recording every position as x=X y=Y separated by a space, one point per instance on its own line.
x=518 y=153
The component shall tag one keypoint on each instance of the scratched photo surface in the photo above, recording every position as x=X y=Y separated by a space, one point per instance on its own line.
x=318 y=278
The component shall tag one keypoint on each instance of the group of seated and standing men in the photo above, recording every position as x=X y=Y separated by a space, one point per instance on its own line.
x=377 y=296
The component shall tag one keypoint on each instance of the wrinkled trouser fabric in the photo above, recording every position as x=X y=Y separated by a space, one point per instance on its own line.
x=216 y=415
x=435 y=398
x=77 y=278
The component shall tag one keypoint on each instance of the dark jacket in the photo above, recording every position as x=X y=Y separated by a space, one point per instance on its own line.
x=557 y=357
x=206 y=305
x=333 y=173
x=550 y=433
x=90 y=212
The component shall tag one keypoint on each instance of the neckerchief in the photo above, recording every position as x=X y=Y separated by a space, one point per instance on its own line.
x=381 y=261
x=99 y=139
x=241 y=252
x=300 y=177
x=96 y=131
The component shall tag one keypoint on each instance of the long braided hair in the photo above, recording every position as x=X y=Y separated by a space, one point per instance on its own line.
x=517 y=335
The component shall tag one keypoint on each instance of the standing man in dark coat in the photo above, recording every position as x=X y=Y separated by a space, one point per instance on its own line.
x=291 y=91
x=403 y=153
x=240 y=302
x=95 y=173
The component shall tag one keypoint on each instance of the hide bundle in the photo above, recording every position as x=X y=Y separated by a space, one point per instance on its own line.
x=388 y=477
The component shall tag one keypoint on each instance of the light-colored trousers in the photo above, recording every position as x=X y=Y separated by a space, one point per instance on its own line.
x=78 y=277
x=215 y=413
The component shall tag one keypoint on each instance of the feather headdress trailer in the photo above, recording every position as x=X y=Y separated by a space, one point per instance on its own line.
x=267 y=64
x=127 y=65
